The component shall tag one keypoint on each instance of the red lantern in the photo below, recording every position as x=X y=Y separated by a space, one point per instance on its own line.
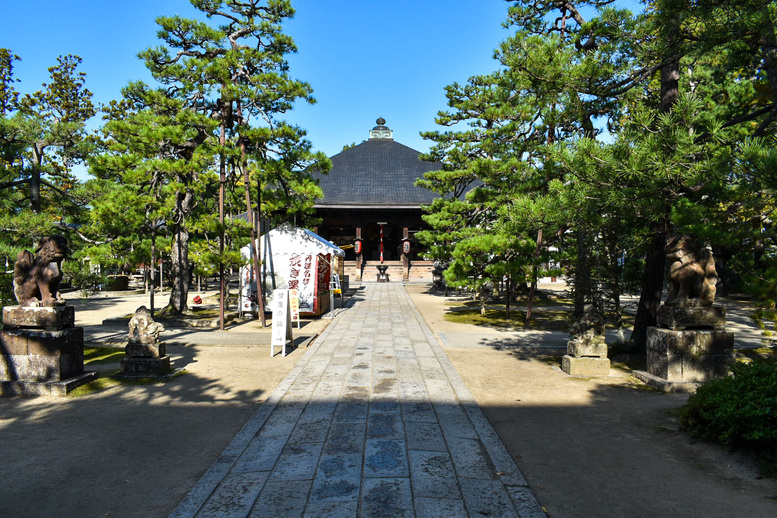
x=357 y=247
x=406 y=247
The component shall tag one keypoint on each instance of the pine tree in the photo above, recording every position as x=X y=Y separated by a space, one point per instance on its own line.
x=559 y=76
x=42 y=135
x=228 y=82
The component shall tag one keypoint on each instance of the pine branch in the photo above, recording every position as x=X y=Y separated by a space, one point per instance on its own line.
x=56 y=189
x=13 y=184
x=771 y=109
x=68 y=228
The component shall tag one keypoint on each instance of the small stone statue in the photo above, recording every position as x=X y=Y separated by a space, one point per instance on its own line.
x=146 y=356
x=692 y=276
x=587 y=351
x=36 y=279
x=590 y=328
x=143 y=329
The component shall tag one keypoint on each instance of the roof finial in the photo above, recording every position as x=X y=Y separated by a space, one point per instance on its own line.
x=381 y=131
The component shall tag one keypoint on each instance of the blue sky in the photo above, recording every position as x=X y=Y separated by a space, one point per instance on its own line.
x=364 y=58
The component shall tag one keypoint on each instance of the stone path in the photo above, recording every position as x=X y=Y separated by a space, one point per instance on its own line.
x=373 y=421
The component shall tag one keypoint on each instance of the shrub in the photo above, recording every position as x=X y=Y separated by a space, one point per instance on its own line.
x=80 y=275
x=739 y=411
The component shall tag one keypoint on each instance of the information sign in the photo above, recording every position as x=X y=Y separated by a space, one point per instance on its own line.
x=281 y=322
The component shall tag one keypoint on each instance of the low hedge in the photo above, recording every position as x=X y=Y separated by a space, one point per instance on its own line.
x=739 y=412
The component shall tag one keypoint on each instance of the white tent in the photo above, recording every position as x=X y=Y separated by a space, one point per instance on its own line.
x=294 y=258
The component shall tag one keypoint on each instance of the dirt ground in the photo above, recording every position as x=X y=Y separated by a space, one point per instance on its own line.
x=594 y=447
x=588 y=447
x=132 y=451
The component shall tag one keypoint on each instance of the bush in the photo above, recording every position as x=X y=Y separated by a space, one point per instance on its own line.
x=80 y=276
x=739 y=411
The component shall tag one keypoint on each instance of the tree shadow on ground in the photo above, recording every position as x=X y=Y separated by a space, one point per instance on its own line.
x=122 y=447
x=616 y=450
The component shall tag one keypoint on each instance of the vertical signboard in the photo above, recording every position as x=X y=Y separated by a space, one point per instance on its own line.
x=281 y=322
x=294 y=304
x=302 y=278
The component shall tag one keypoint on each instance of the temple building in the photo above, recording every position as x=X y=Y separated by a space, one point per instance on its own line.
x=372 y=208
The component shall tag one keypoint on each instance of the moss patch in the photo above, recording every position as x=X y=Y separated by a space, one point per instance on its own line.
x=93 y=387
x=94 y=356
x=109 y=358
x=542 y=318
x=202 y=313
x=752 y=354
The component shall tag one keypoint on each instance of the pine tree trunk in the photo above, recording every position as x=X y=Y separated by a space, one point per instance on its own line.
x=582 y=274
x=251 y=222
x=152 y=270
x=35 y=203
x=615 y=280
x=653 y=282
x=652 y=286
x=179 y=256
x=769 y=49
x=181 y=273
x=37 y=161
x=508 y=295
x=535 y=274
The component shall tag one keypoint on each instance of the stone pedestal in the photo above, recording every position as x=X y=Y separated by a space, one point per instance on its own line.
x=689 y=347
x=145 y=361
x=41 y=352
x=691 y=317
x=56 y=317
x=139 y=350
x=586 y=359
x=146 y=367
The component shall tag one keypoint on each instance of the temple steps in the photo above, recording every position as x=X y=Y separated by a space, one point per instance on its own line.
x=420 y=271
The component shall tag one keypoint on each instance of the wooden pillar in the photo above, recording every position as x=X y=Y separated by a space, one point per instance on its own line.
x=359 y=249
x=405 y=254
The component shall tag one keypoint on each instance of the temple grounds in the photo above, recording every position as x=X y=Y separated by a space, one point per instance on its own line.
x=586 y=446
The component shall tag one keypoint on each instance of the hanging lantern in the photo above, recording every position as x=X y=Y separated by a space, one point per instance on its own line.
x=357 y=247
x=381 y=243
x=406 y=247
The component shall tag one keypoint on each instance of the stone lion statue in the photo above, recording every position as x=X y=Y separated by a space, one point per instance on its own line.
x=143 y=329
x=590 y=328
x=36 y=279
x=692 y=275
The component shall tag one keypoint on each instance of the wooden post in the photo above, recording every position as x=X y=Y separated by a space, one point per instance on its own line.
x=222 y=180
x=151 y=283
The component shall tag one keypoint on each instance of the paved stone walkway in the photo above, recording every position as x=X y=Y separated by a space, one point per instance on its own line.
x=373 y=421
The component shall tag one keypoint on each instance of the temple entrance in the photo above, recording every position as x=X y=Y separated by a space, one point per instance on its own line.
x=389 y=242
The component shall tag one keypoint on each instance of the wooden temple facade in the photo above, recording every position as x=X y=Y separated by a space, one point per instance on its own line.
x=372 y=208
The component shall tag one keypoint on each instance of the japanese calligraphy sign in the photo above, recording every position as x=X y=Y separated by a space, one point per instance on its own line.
x=294 y=304
x=281 y=322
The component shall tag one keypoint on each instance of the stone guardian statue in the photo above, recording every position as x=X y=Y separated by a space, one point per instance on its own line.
x=692 y=276
x=36 y=278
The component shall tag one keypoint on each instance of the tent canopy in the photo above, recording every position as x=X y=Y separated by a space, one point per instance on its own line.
x=287 y=239
x=294 y=258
